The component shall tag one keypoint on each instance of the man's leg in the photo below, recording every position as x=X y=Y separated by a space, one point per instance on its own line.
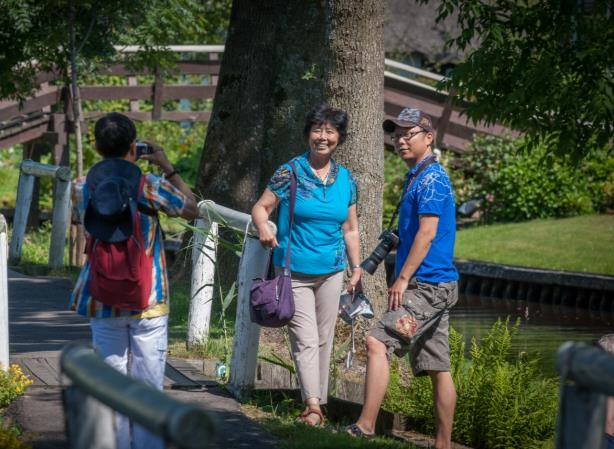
x=148 y=343
x=444 y=397
x=378 y=373
x=110 y=340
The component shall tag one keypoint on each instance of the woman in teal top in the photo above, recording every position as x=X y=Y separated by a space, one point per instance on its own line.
x=324 y=239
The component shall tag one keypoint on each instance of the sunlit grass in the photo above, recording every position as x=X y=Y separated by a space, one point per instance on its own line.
x=583 y=244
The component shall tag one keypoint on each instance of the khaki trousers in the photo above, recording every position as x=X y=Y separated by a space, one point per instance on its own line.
x=316 y=300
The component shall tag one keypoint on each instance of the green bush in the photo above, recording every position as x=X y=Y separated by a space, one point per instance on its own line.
x=503 y=401
x=518 y=183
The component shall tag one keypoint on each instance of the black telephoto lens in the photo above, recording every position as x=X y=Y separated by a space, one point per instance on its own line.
x=388 y=241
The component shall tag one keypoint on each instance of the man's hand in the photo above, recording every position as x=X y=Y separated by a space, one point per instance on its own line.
x=158 y=157
x=395 y=293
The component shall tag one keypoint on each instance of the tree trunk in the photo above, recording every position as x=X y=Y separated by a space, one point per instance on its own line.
x=77 y=114
x=281 y=59
x=355 y=83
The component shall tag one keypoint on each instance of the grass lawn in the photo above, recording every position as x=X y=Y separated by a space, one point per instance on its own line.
x=583 y=244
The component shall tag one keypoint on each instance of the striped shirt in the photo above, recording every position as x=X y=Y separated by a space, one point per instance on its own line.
x=158 y=194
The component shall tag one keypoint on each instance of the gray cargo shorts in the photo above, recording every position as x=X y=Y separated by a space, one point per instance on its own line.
x=420 y=326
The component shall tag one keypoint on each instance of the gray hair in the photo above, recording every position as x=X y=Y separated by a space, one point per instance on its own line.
x=607 y=343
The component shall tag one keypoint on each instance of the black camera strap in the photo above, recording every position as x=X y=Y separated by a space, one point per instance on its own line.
x=428 y=161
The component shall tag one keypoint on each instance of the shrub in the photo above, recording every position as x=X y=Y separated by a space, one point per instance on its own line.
x=12 y=384
x=502 y=401
x=517 y=183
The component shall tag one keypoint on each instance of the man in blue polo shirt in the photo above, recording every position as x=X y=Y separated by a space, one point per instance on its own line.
x=426 y=280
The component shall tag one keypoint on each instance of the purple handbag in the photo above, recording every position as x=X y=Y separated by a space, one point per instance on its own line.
x=271 y=302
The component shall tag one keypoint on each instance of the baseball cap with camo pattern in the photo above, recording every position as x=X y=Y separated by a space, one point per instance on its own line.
x=408 y=118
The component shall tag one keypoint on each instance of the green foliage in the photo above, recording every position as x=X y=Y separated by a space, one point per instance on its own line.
x=542 y=67
x=518 y=184
x=10 y=437
x=394 y=177
x=176 y=22
x=502 y=400
x=35 y=35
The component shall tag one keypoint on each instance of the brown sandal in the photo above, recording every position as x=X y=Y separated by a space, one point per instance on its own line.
x=309 y=411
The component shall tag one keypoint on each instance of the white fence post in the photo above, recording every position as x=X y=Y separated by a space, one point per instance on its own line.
x=203 y=278
x=61 y=213
x=4 y=298
x=253 y=264
x=247 y=334
x=22 y=208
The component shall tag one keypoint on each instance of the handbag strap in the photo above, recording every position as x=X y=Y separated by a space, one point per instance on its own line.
x=293 y=182
x=430 y=160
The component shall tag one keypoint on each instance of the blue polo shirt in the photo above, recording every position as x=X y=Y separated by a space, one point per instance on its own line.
x=317 y=245
x=431 y=193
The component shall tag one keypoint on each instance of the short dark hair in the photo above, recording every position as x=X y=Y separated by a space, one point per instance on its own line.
x=114 y=133
x=323 y=113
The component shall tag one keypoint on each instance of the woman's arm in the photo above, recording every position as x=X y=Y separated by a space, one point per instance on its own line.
x=352 y=245
x=260 y=217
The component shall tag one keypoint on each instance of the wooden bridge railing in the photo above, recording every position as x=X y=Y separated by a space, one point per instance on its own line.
x=253 y=264
x=404 y=85
x=4 y=296
x=28 y=170
x=96 y=390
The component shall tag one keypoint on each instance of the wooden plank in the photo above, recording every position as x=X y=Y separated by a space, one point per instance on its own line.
x=23 y=136
x=157 y=96
x=134 y=103
x=45 y=369
x=173 y=116
x=143 y=92
x=176 y=92
x=45 y=97
x=200 y=67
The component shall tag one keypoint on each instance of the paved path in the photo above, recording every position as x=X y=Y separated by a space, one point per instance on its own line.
x=40 y=325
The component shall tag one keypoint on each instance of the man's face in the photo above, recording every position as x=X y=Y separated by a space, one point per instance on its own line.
x=412 y=143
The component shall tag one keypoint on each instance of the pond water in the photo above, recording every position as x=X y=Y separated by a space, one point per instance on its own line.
x=543 y=328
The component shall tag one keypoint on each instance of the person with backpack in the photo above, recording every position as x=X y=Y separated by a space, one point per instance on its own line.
x=123 y=285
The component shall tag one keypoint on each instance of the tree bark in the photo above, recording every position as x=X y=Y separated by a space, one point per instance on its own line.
x=355 y=83
x=281 y=59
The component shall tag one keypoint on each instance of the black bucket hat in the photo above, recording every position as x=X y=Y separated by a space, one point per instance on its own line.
x=113 y=187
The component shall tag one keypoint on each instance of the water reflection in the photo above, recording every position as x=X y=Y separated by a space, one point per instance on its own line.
x=544 y=327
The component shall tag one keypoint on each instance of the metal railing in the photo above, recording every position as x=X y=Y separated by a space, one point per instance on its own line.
x=253 y=264
x=4 y=297
x=28 y=170
x=97 y=390
x=587 y=379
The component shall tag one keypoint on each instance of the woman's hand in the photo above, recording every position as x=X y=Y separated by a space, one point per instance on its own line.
x=267 y=238
x=395 y=293
x=354 y=281
x=260 y=217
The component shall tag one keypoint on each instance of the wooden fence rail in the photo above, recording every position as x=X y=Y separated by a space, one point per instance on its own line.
x=61 y=207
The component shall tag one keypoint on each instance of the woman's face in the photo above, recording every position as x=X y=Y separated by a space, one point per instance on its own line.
x=323 y=139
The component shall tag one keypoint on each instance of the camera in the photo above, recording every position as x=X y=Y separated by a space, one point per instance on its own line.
x=388 y=241
x=143 y=148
